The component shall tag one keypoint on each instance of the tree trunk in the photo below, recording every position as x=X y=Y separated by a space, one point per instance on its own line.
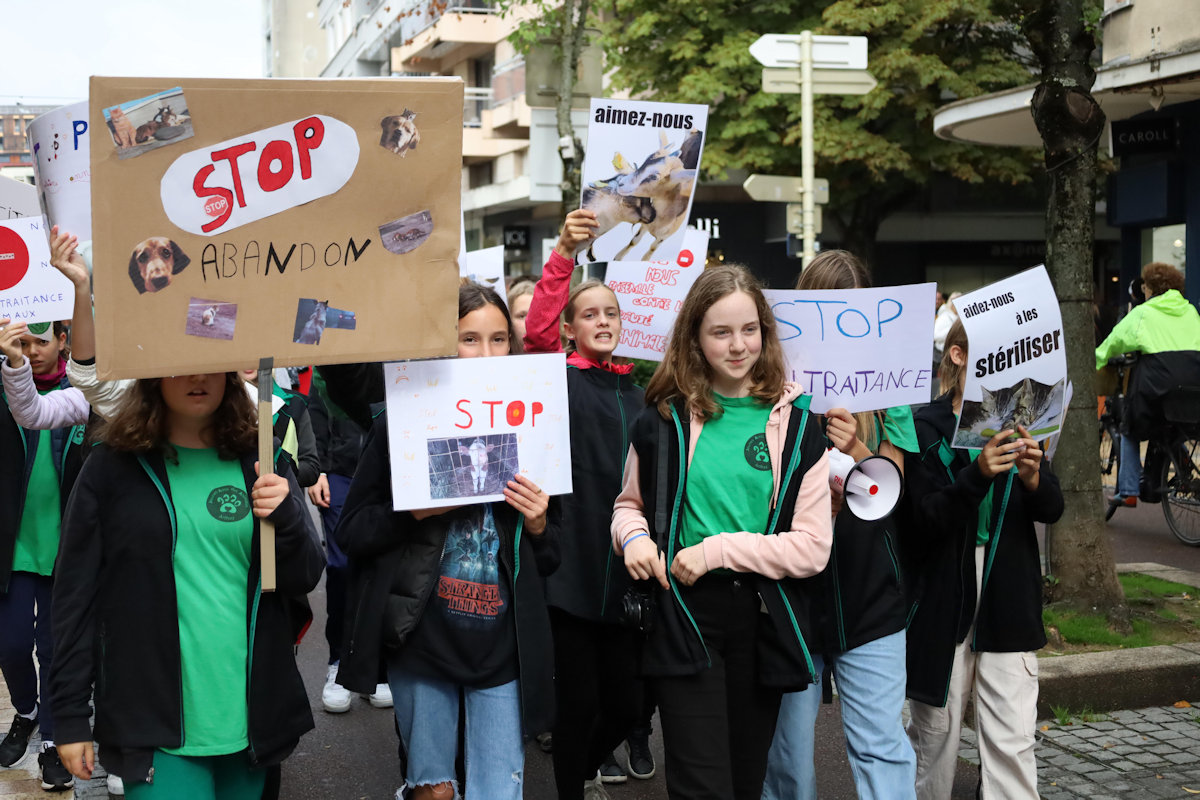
x=574 y=21
x=1070 y=122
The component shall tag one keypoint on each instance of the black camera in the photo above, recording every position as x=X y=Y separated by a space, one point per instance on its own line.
x=637 y=607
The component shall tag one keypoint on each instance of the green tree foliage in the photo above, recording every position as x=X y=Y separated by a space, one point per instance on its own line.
x=878 y=150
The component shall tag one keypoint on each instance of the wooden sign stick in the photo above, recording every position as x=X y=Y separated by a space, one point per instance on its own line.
x=266 y=466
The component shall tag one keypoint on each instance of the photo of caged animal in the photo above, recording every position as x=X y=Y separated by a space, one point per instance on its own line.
x=653 y=197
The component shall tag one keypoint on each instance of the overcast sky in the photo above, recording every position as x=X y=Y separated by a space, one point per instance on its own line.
x=50 y=47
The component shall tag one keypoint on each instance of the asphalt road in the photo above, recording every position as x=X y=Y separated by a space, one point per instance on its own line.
x=352 y=756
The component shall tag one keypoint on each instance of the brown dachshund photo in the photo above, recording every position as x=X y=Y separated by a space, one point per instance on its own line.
x=154 y=264
x=400 y=133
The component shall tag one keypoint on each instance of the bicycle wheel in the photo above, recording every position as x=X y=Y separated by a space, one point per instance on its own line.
x=1181 y=491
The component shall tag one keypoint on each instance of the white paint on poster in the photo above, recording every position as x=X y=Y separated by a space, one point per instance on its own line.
x=639 y=176
x=459 y=428
x=235 y=182
x=650 y=295
x=858 y=349
x=1017 y=361
x=31 y=290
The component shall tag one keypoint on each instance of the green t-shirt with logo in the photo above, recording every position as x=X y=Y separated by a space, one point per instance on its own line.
x=212 y=567
x=37 y=537
x=729 y=481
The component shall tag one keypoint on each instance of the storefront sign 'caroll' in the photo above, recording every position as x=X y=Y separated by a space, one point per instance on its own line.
x=239 y=181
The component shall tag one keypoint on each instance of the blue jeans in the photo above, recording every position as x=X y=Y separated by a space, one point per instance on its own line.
x=870 y=683
x=427 y=711
x=1129 y=469
x=25 y=622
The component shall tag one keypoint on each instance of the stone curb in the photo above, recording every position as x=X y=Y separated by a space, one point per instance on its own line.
x=1117 y=679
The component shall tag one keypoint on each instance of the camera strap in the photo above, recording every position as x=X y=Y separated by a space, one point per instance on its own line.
x=662 y=511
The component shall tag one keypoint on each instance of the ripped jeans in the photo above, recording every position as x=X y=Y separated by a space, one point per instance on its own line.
x=427 y=711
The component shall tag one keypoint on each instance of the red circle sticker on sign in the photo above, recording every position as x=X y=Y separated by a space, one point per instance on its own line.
x=14 y=258
x=685 y=258
x=216 y=206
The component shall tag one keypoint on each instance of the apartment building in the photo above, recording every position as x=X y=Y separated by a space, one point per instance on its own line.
x=15 y=159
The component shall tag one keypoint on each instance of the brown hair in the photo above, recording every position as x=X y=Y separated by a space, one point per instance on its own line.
x=834 y=269
x=570 y=311
x=1158 y=277
x=140 y=424
x=685 y=373
x=950 y=373
x=841 y=269
x=521 y=286
x=472 y=297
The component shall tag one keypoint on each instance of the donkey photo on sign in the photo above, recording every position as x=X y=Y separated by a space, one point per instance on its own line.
x=643 y=207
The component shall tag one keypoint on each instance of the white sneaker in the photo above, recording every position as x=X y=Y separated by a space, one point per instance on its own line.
x=116 y=786
x=334 y=696
x=382 y=698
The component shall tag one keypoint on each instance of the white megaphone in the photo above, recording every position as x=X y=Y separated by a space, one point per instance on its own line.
x=871 y=487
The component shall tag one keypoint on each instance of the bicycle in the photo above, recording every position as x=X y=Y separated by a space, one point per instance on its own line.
x=1171 y=475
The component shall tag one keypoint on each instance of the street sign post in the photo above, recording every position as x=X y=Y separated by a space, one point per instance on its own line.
x=828 y=52
x=784 y=189
x=825 y=81
x=781 y=54
x=795 y=219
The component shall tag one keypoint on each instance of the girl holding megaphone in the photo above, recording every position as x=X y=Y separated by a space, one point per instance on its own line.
x=858 y=609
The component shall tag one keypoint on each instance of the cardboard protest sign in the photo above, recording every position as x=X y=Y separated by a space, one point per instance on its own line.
x=17 y=199
x=241 y=219
x=485 y=267
x=60 y=141
x=31 y=290
x=858 y=349
x=650 y=295
x=459 y=429
x=639 y=175
x=1016 y=370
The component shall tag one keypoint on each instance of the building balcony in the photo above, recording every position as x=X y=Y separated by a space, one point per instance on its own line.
x=496 y=197
x=466 y=29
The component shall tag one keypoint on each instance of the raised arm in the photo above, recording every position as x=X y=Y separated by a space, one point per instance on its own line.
x=550 y=294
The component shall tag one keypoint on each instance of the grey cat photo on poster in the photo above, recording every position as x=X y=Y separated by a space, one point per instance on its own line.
x=1035 y=406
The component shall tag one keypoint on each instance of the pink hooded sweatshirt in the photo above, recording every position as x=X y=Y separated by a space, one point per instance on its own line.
x=799 y=552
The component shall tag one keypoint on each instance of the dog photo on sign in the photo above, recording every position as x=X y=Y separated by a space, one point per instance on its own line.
x=154 y=263
x=400 y=133
x=406 y=234
x=212 y=319
x=148 y=123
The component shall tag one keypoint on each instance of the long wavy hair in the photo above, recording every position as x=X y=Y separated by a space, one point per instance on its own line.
x=140 y=424
x=949 y=373
x=685 y=372
x=841 y=269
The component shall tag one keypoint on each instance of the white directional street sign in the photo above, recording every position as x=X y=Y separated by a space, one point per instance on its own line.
x=825 y=81
x=829 y=52
x=795 y=219
x=784 y=189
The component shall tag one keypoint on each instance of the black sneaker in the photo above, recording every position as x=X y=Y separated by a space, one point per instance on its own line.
x=546 y=742
x=641 y=760
x=55 y=777
x=611 y=772
x=16 y=743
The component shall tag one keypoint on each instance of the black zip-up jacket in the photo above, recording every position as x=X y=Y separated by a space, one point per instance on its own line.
x=860 y=597
x=394 y=567
x=945 y=490
x=339 y=439
x=675 y=646
x=67 y=453
x=116 y=625
x=591 y=579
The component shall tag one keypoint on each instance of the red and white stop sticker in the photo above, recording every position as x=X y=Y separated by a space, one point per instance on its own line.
x=685 y=258
x=216 y=206
x=14 y=258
